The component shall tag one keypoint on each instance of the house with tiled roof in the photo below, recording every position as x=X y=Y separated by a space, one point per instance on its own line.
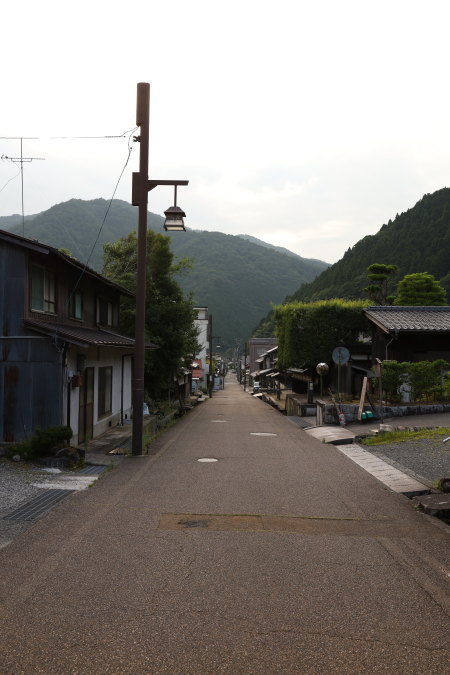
x=410 y=333
x=63 y=359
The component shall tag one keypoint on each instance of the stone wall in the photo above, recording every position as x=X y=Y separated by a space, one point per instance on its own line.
x=327 y=413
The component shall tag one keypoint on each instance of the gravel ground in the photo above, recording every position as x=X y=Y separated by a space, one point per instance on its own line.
x=16 y=488
x=425 y=457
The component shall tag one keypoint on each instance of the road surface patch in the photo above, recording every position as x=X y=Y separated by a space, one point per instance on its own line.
x=355 y=527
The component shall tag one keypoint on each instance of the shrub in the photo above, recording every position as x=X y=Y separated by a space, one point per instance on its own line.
x=426 y=378
x=42 y=442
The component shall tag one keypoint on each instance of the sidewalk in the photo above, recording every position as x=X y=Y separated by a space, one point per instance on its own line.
x=276 y=555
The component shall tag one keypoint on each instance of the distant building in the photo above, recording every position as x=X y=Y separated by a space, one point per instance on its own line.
x=62 y=359
x=257 y=347
x=202 y=367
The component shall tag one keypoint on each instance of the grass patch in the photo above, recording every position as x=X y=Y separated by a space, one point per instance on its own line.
x=401 y=436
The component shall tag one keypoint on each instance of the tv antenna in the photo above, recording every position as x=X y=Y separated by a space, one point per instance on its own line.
x=21 y=160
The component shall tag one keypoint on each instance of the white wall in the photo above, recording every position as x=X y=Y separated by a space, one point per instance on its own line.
x=100 y=357
x=202 y=339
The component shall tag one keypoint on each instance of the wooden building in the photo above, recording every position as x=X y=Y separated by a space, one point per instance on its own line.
x=62 y=359
x=413 y=333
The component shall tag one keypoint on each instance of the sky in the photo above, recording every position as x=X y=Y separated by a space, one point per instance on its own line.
x=306 y=124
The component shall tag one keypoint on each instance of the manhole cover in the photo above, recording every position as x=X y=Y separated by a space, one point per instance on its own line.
x=207 y=459
x=194 y=523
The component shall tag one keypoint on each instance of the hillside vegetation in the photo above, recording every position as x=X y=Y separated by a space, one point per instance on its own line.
x=415 y=241
x=236 y=278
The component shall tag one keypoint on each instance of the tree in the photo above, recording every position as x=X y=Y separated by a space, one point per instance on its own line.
x=379 y=275
x=420 y=289
x=169 y=316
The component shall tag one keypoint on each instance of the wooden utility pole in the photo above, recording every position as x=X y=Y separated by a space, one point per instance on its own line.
x=211 y=372
x=245 y=366
x=142 y=121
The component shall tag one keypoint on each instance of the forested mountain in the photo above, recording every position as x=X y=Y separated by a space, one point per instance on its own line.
x=281 y=249
x=236 y=278
x=416 y=241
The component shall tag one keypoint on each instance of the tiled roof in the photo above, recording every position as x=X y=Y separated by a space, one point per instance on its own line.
x=38 y=246
x=430 y=319
x=83 y=337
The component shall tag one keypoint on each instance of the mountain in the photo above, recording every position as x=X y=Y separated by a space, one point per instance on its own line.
x=281 y=249
x=416 y=241
x=236 y=278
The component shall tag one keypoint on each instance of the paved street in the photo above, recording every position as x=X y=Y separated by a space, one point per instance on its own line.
x=283 y=556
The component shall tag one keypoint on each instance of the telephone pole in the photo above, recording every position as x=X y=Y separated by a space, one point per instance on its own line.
x=174 y=222
x=142 y=121
x=245 y=365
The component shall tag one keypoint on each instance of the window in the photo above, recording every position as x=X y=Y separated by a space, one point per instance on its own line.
x=104 y=312
x=104 y=391
x=43 y=297
x=76 y=305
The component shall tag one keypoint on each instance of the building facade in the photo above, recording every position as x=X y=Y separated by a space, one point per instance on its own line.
x=62 y=358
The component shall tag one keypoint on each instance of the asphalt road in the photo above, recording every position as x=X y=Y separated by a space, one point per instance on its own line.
x=283 y=556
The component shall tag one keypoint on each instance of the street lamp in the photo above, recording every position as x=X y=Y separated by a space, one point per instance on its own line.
x=174 y=217
x=174 y=221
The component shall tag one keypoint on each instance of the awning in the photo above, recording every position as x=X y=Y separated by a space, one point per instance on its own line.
x=83 y=337
x=274 y=374
x=266 y=371
x=254 y=374
x=260 y=360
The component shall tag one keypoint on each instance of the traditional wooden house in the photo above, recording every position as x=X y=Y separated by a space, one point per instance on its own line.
x=62 y=358
x=410 y=333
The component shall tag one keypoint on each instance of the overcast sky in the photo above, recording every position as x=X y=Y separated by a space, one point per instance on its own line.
x=306 y=124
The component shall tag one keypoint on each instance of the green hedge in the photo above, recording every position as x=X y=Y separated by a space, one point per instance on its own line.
x=428 y=379
x=307 y=332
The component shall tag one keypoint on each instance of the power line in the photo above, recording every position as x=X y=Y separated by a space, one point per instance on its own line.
x=8 y=181
x=130 y=149
x=37 y=138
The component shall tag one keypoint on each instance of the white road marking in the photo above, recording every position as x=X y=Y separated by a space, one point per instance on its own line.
x=207 y=459
x=260 y=433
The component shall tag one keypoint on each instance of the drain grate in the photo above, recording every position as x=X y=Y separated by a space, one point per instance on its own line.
x=92 y=469
x=36 y=507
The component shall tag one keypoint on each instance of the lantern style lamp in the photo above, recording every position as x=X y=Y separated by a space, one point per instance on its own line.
x=322 y=369
x=174 y=217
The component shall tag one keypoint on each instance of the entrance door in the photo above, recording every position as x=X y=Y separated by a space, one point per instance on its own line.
x=86 y=412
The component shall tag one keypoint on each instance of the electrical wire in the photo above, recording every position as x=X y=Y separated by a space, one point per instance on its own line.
x=8 y=181
x=130 y=149
x=37 y=138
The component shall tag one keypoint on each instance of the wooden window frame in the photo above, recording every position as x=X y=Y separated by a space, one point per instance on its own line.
x=72 y=306
x=46 y=271
x=110 y=305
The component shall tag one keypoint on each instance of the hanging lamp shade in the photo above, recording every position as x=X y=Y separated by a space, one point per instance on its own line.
x=174 y=219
